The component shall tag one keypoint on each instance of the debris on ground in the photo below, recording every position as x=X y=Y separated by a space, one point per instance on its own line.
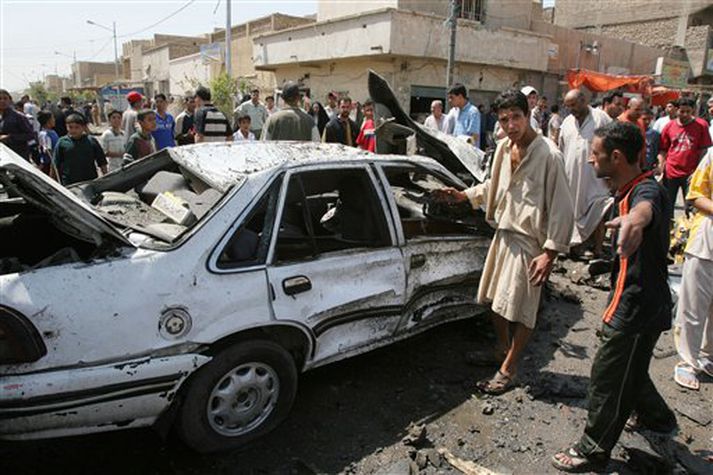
x=466 y=466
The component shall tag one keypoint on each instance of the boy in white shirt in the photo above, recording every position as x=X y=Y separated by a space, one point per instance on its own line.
x=243 y=134
x=113 y=141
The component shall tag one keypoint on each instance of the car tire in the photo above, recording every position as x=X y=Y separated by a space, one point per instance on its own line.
x=246 y=391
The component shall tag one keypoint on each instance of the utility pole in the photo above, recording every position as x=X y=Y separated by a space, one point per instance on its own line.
x=116 y=54
x=453 y=24
x=228 y=27
x=116 y=49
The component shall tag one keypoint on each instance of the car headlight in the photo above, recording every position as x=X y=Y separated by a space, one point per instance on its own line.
x=19 y=340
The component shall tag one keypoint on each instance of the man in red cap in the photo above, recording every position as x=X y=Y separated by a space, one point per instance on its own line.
x=128 y=118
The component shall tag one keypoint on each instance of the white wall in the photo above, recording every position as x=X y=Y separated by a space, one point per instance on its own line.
x=329 y=9
x=186 y=72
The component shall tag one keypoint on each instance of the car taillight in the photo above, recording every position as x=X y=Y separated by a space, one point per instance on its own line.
x=19 y=340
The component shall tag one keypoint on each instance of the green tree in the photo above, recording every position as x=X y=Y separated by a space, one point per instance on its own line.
x=38 y=93
x=223 y=89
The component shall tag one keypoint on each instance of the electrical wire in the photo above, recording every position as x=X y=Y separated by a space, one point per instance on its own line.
x=189 y=3
x=98 y=52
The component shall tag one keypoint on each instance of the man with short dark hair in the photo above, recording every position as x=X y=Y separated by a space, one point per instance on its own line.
x=671 y=112
x=341 y=129
x=210 y=123
x=639 y=306
x=270 y=106
x=467 y=123
x=165 y=124
x=77 y=156
x=613 y=104
x=15 y=130
x=185 y=133
x=331 y=107
x=653 y=138
x=528 y=198
x=291 y=122
x=684 y=141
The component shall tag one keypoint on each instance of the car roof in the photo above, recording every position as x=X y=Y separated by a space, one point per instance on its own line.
x=224 y=164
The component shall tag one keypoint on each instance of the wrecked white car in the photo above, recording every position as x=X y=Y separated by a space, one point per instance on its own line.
x=189 y=289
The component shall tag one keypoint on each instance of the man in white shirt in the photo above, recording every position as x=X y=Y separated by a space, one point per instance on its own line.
x=254 y=108
x=671 y=112
x=438 y=120
x=532 y=96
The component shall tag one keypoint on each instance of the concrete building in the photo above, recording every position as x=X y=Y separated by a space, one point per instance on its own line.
x=499 y=45
x=53 y=83
x=93 y=74
x=148 y=61
x=682 y=28
x=186 y=73
x=242 y=35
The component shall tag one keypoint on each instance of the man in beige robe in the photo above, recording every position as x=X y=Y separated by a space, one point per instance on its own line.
x=527 y=200
x=590 y=195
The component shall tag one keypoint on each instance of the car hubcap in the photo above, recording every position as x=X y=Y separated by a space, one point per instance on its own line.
x=243 y=399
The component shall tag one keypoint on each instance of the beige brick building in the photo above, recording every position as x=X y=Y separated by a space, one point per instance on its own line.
x=242 y=63
x=500 y=44
x=681 y=27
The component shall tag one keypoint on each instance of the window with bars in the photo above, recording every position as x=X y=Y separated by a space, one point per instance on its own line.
x=472 y=10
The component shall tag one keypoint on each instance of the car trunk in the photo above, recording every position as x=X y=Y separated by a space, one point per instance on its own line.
x=394 y=125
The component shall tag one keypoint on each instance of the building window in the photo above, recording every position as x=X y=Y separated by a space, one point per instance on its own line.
x=472 y=10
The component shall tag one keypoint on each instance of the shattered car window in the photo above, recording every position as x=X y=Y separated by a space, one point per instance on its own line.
x=327 y=211
x=419 y=215
x=161 y=202
x=250 y=243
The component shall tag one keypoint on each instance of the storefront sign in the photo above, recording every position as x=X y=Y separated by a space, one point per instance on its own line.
x=671 y=72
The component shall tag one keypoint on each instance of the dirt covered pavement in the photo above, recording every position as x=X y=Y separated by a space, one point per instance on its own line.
x=413 y=408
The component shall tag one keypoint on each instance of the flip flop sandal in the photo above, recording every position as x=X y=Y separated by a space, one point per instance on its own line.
x=579 y=462
x=686 y=377
x=497 y=385
x=706 y=366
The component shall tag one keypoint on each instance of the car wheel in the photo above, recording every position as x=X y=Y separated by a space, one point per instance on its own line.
x=242 y=394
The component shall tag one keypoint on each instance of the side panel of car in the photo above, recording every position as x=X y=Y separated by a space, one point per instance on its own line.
x=443 y=257
x=334 y=265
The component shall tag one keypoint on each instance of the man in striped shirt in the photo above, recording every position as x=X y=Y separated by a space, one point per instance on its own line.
x=639 y=306
x=210 y=123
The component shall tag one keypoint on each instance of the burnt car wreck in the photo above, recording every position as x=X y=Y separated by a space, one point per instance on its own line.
x=189 y=289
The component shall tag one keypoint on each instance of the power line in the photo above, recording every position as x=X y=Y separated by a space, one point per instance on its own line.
x=100 y=50
x=160 y=21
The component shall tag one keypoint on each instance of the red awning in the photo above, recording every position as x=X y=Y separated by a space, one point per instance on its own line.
x=661 y=95
x=601 y=82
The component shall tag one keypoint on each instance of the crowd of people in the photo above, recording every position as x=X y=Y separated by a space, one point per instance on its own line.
x=560 y=177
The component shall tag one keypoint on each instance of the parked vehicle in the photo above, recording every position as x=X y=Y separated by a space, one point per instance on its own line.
x=189 y=289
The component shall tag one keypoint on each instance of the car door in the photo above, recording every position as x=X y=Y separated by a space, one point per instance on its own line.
x=444 y=251
x=334 y=264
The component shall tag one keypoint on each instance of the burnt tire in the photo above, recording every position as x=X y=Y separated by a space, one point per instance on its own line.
x=246 y=391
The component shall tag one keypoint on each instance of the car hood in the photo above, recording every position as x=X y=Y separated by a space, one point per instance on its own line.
x=453 y=153
x=70 y=213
